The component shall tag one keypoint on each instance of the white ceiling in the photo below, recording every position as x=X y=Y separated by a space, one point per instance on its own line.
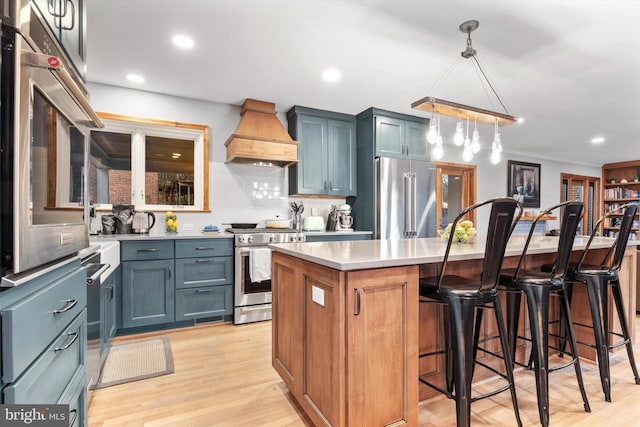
x=571 y=69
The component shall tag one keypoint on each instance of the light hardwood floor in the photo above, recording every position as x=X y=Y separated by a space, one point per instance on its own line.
x=223 y=377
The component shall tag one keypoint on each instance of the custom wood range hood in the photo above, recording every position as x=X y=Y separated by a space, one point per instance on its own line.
x=261 y=137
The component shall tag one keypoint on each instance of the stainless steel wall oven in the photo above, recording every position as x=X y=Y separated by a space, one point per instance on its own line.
x=44 y=119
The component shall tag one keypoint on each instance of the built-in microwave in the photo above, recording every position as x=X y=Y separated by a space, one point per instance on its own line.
x=44 y=120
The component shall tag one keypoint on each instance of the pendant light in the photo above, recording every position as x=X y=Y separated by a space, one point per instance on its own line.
x=467 y=112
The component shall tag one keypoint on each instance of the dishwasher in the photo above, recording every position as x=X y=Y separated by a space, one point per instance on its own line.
x=91 y=262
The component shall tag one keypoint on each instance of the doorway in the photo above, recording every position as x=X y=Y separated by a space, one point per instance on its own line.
x=455 y=191
x=584 y=189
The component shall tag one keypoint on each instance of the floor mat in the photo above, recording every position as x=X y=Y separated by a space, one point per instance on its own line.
x=136 y=360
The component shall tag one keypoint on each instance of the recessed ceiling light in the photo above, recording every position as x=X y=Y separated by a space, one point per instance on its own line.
x=182 y=41
x=331 y=75
x=597 y=140
x=135 y=78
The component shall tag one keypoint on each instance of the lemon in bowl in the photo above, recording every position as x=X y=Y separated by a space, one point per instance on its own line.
x=463 y=233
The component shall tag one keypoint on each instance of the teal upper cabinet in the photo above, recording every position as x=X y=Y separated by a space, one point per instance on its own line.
x=67 y=20
x=397 y=135
x=326 y=153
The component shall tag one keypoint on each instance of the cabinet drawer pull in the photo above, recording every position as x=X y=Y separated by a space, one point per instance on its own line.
x=205 y=248
x=205 y=260
x=75 y=415
x=70 y=304
x=148 y=250
x=204 y=291
x=169 y=272
x=70 y=343
x=357 y=302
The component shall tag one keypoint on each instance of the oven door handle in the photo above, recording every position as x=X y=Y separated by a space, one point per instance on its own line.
x=245 y=251
x=53 y=63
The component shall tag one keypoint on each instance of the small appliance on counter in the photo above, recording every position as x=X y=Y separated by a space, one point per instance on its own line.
x=344 y=218
x=313 y=222
x=142 y=222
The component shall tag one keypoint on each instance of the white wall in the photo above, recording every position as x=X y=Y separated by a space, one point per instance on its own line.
x=232 y=185
x=492 y=179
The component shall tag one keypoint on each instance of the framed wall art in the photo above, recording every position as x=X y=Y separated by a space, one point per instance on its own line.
x=523 y=183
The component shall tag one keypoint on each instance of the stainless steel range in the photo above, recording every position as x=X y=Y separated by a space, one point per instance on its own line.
x=252 y=299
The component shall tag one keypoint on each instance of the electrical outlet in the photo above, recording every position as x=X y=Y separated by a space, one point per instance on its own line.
x=187 y=227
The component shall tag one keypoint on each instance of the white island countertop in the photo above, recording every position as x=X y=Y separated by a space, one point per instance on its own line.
x=368 y=254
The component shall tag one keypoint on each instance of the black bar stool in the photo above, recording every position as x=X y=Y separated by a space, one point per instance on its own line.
x=537 y=288
x=599 y=279
x=462 y=296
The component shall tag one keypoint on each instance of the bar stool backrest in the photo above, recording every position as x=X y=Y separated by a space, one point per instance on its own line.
x=571 y=215
x=620 y=244
x=623 y=236
x=501 y=224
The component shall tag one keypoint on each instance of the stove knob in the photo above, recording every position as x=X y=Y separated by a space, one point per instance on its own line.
x=240 y=239
x=272 y=239
x=250 y=239
x=301 y=238
x=292 y=238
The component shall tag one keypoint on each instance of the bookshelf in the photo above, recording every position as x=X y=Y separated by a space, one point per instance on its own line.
x=621 y=186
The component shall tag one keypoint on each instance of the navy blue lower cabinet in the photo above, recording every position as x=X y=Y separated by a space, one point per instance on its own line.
x=44 y=340
x=108 y=304
x=147 y=292
x=195 y=303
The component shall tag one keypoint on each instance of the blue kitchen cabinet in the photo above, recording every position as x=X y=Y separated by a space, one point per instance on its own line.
x=147 y=282
x=326 y=153
x=108 y=307
x=397 y=135
x=44 y=339
x=204 y=278
x=147 y=292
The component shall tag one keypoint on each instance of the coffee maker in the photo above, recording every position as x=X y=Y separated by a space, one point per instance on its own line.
x=344 y=220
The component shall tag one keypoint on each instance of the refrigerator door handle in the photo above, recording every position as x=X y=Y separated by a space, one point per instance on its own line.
x=407 y=205
x=414 y=204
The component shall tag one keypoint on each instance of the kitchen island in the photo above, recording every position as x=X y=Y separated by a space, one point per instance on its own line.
x=347 y=326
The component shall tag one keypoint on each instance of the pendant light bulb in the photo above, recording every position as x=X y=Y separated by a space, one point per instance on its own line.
x=475 y=139
x=437 y=152
x=495 y=157
x=432 y=133
x=458 y=136
x=497 y=143
x=467 y=154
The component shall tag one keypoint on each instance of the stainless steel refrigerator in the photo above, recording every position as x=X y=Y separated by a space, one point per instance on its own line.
x=405 y=198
